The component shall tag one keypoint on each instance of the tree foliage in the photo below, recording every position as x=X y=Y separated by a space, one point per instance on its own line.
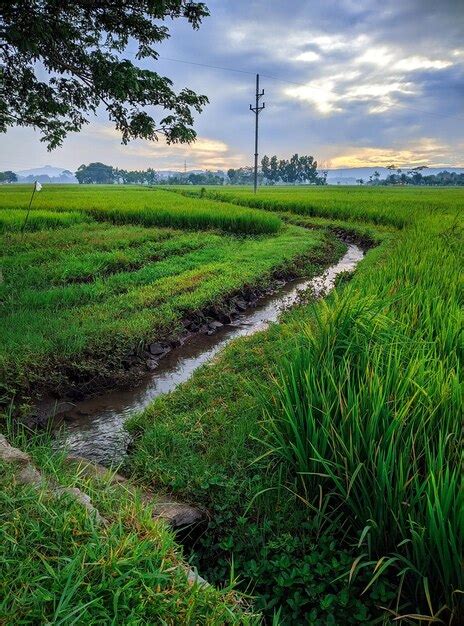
x=60 y=60
x=298 y=169
x=195 y=178
x=96 y=173
x=242 y=176
x=136 y=177
x=8 y=177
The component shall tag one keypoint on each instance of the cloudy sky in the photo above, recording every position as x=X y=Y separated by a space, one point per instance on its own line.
x=353 y=82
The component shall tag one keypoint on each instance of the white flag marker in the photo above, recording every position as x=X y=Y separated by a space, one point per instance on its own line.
x=37 y=187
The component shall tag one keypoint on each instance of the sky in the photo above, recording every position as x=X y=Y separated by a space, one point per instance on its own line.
x=353 y=82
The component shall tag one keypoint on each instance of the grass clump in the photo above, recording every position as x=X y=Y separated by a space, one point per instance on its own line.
x=15 y=220
x=60 y=566
x=368 y=405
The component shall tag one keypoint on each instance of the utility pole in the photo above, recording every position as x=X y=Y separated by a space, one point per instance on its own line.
x=257 y=110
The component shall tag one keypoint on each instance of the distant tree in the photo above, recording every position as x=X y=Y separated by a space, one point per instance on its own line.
x=360 y=181
x=322 y=178
x=81 y=45
x=151 y=177
x=242 y=176
x=415 y=174
x=232 y=176
x=266 y=167
x=273 y=170
x=308 y=170
x=298 y=169
x=98 y=173
x=8 y=177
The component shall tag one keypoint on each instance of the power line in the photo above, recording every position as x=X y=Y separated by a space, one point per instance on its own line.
x=292 y=82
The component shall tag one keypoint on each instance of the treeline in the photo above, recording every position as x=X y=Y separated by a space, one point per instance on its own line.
x=414 y=176
x=195 y=178
x=99 y=173
x=296 y=170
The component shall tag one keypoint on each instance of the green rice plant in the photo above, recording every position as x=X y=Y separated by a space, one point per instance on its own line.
x=38 y=220
x=71 y=298
x=144 y=206
x=362 y=432
x=377 y=205
x=368 y=408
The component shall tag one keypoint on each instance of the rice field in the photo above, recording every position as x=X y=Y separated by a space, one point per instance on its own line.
x=395 y=207
x=348 y=422
x=326 y=449
x=80 y=291
x=127 y=205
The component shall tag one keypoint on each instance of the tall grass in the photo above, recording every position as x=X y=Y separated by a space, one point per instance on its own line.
x=368 y=407
x=60 y=566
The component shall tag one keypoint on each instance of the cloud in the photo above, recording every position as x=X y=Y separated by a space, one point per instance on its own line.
x=308 y=57
x=204 y=153
x=365 y=81
x=427 y=151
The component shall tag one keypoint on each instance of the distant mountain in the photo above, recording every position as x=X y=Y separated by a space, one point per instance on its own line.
x=46 y=174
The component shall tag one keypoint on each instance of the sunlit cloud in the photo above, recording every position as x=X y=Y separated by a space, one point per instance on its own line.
x=379 y=56
x=414 y=63
x=204 y=153
x=308 y=57
x=332 y=94
x=427 y=151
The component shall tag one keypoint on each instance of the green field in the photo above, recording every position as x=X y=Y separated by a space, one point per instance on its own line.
x=126 y=205
x=83 y=288
x=337 y=432
x=327 y=449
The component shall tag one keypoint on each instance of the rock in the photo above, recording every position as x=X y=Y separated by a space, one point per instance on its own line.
x=215 y=324
x=194 y=578
x=12 y=455
x=28 y=475
x=94 y=470
x=178 y=515
x=156 y=349
x=84 y=500
x=152 y=364
x=240 y=304
x=204 y=329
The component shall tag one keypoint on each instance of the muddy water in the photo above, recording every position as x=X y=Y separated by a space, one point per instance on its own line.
x=94 y=428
